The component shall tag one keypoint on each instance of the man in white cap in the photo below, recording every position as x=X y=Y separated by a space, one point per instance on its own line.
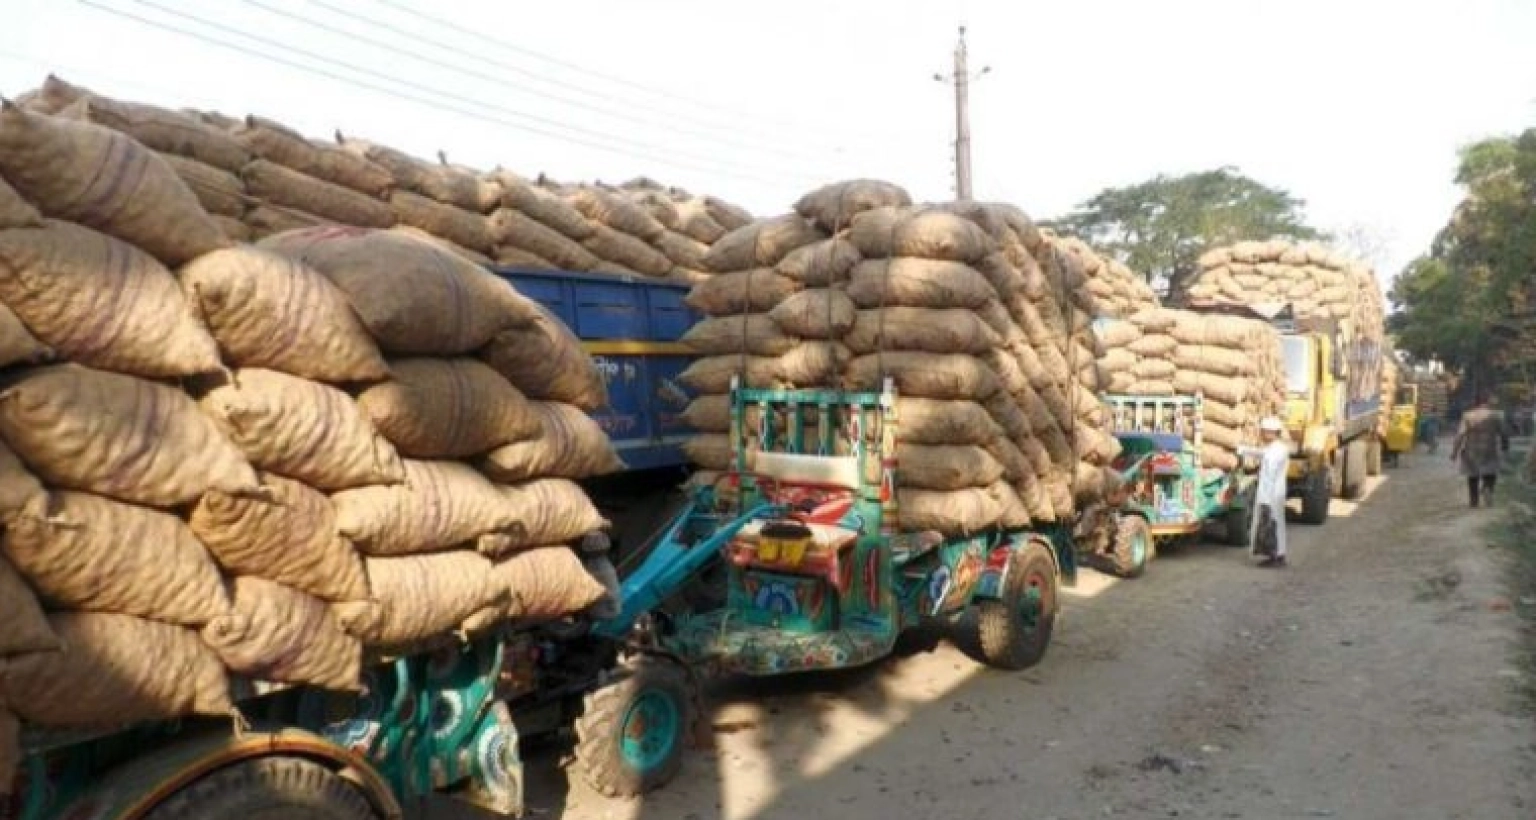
x=1269 y=496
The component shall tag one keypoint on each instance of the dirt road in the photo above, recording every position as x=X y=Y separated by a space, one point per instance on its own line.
x=1375 y=677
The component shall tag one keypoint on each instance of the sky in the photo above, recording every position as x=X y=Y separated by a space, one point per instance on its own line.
x=1356 y=106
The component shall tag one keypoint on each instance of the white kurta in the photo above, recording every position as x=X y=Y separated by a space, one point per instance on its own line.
x=1274 y=458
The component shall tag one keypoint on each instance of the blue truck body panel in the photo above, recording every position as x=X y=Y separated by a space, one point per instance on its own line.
x=630 y=327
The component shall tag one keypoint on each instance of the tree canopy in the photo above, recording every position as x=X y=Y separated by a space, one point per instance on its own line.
x=1161 y=226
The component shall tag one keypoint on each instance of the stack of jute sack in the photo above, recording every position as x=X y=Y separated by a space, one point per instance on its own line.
x=258 y=460
x=1118 y=291
x=1233 y=363
x=1434 y=395
x=258 y=177
x=1315 y=281
x=858 y=285
x=1391 y=379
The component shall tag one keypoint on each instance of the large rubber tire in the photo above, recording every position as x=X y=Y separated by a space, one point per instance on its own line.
x=1314 y=504
x=1353 y=485
x=268 y=788
x=1133 y=547
x=1373 y=456
x=1239 y=522
x=631 y=733
x=1015 y=630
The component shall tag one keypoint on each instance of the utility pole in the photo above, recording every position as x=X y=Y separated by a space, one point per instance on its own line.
x=962 y=80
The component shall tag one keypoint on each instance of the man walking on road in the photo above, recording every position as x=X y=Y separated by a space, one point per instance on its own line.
x=1268 y=535
x=1480 y=441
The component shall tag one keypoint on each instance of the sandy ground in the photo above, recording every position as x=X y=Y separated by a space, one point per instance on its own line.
x=1376 y=677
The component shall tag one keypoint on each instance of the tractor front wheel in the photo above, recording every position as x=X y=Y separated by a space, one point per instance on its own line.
x=1015 y=629
x=631 y=732
x=1133 y=547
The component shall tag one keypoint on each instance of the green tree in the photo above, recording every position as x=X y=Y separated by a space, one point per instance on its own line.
x=1161 y=226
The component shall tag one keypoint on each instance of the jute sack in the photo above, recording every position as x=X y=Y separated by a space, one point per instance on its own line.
x=1231 y=391
x=289 y=538
x=682 y=250
x=925 y=375
x=656 y=202
x=813 y=364
x=1154 y=370
x=102 y=302
x=1216 y=458
x=1157 y=320
x=572 y=445
x=617 y=246
x=1227 y=438
x=1221 y=331
x=160 y=129
x=1118 y=334
x=1038 y=456
x=753 y=333
x=1006 y=412
x=441 y=182
x=276 y=142
x=997 y=317
x=550 y=511
x=16 y=212
x=545 y=582
x=1030 y=364
x=943 y=467
x=219 y=191
x=447 y=408
x=883 y=233
x=425 y=596
x=820 y=263
x=414 y=297
x=818 y=313
x=267 y=310
x=1037 y=502
x=1016 y=466
x=1007 y=279
x=113 y=435
x=233 y=229
x=1217 y=361
x=761 y=243
x=26 y=628
x=747 y=291
x=928 y=330
x=712 y=374
x=1153 y=346
x=264 y=220
x=113 y=670
x=729 y=216
x=709 y=413
x=545 y=360
x=914 y=282
x=17 y=344
x=280 y=634
x=442 y=504
x=694 y=220
x=1119 y=360
x=711 y=451
x=508 y=256
x=546 y=208
x=283 y=186
x=1231 y=415
x=1147 y=388
x=302 y=429
x=930 y=421
x=99 y=555
x=833 y=206
x=467 y=228
x=956 y=513
x=615 y=212
x=513 y=228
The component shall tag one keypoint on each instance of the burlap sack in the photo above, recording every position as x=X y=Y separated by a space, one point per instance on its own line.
x=547 y=582
x=1230 y=415
x=820 y=263
x=26 y=628
x=1007 y=279
x=1221 y=331
x=709 y=413
x=927 y=330
x=102 y=302
x=682 y=250
x=447 y=408
x=934 y=422
x=99 y=555
x=1157 y=320
x=958 y=513
x=219 y=191
x=1227 y=438
x=264 y=220
x=712 y=374
x=1219 y=361
x=508 y=256
x=283 y=186
x=547 y=209
x=694 y=221
x=233 y=229
x=654 y=200
x=832 y=207
x=114 y=435
x=761 y=243
x=441 y=182
x=615 y=212
x=1016 y=466
x=280 y=144
x=113 y=670
x=914 y=282
x=289 y=538
x=549 y=511
x=1153 y=346
x=944 y=467
x=729 y=216
x=617 y=246
x=1038 y=456
x=997 y=317
x=545 y=360
x=301 y=429
x=425 y=596
x=1006 y=412
x=1148 y=388
x=267 y=310
x=925 y=375
x=510 y=227
x=1231 y=391
x=1154 y=370
x=19 y=489
x=814 y=364
x=571 y=445
x=711 y=451
x=930 y=234
x=160 y=129
x=1119 y=360
x=414 y=297
x=747 y=291
x=280 y=634
x=753 y=333
x=818 y=313
x=1117 y=334
x=1059 y=489
x=17 y=344
x=1031 y=365
x=441 y=504
x=16 y=212
x=467 y=228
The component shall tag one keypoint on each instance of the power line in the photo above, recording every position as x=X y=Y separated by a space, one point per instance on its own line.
x=396 y=93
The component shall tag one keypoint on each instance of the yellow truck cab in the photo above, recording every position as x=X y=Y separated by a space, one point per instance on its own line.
x=1403 y=423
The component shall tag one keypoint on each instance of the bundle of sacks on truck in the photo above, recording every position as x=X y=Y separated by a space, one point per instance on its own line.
x=257 y=177
x=984 y=323
x=269 y=460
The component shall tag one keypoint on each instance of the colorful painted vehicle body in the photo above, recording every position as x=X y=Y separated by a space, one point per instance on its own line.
x=818 y=574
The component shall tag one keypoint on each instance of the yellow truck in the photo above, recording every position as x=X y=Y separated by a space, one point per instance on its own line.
x=1403 y=423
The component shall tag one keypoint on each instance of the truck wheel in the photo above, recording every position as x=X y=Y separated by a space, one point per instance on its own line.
x=631 y=732
x=1133 y=547
x=1354 y=470
x=285 y=787
x=1015 y=630
x=1314 y=505
x=1373 y=459
x=1239 y=522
